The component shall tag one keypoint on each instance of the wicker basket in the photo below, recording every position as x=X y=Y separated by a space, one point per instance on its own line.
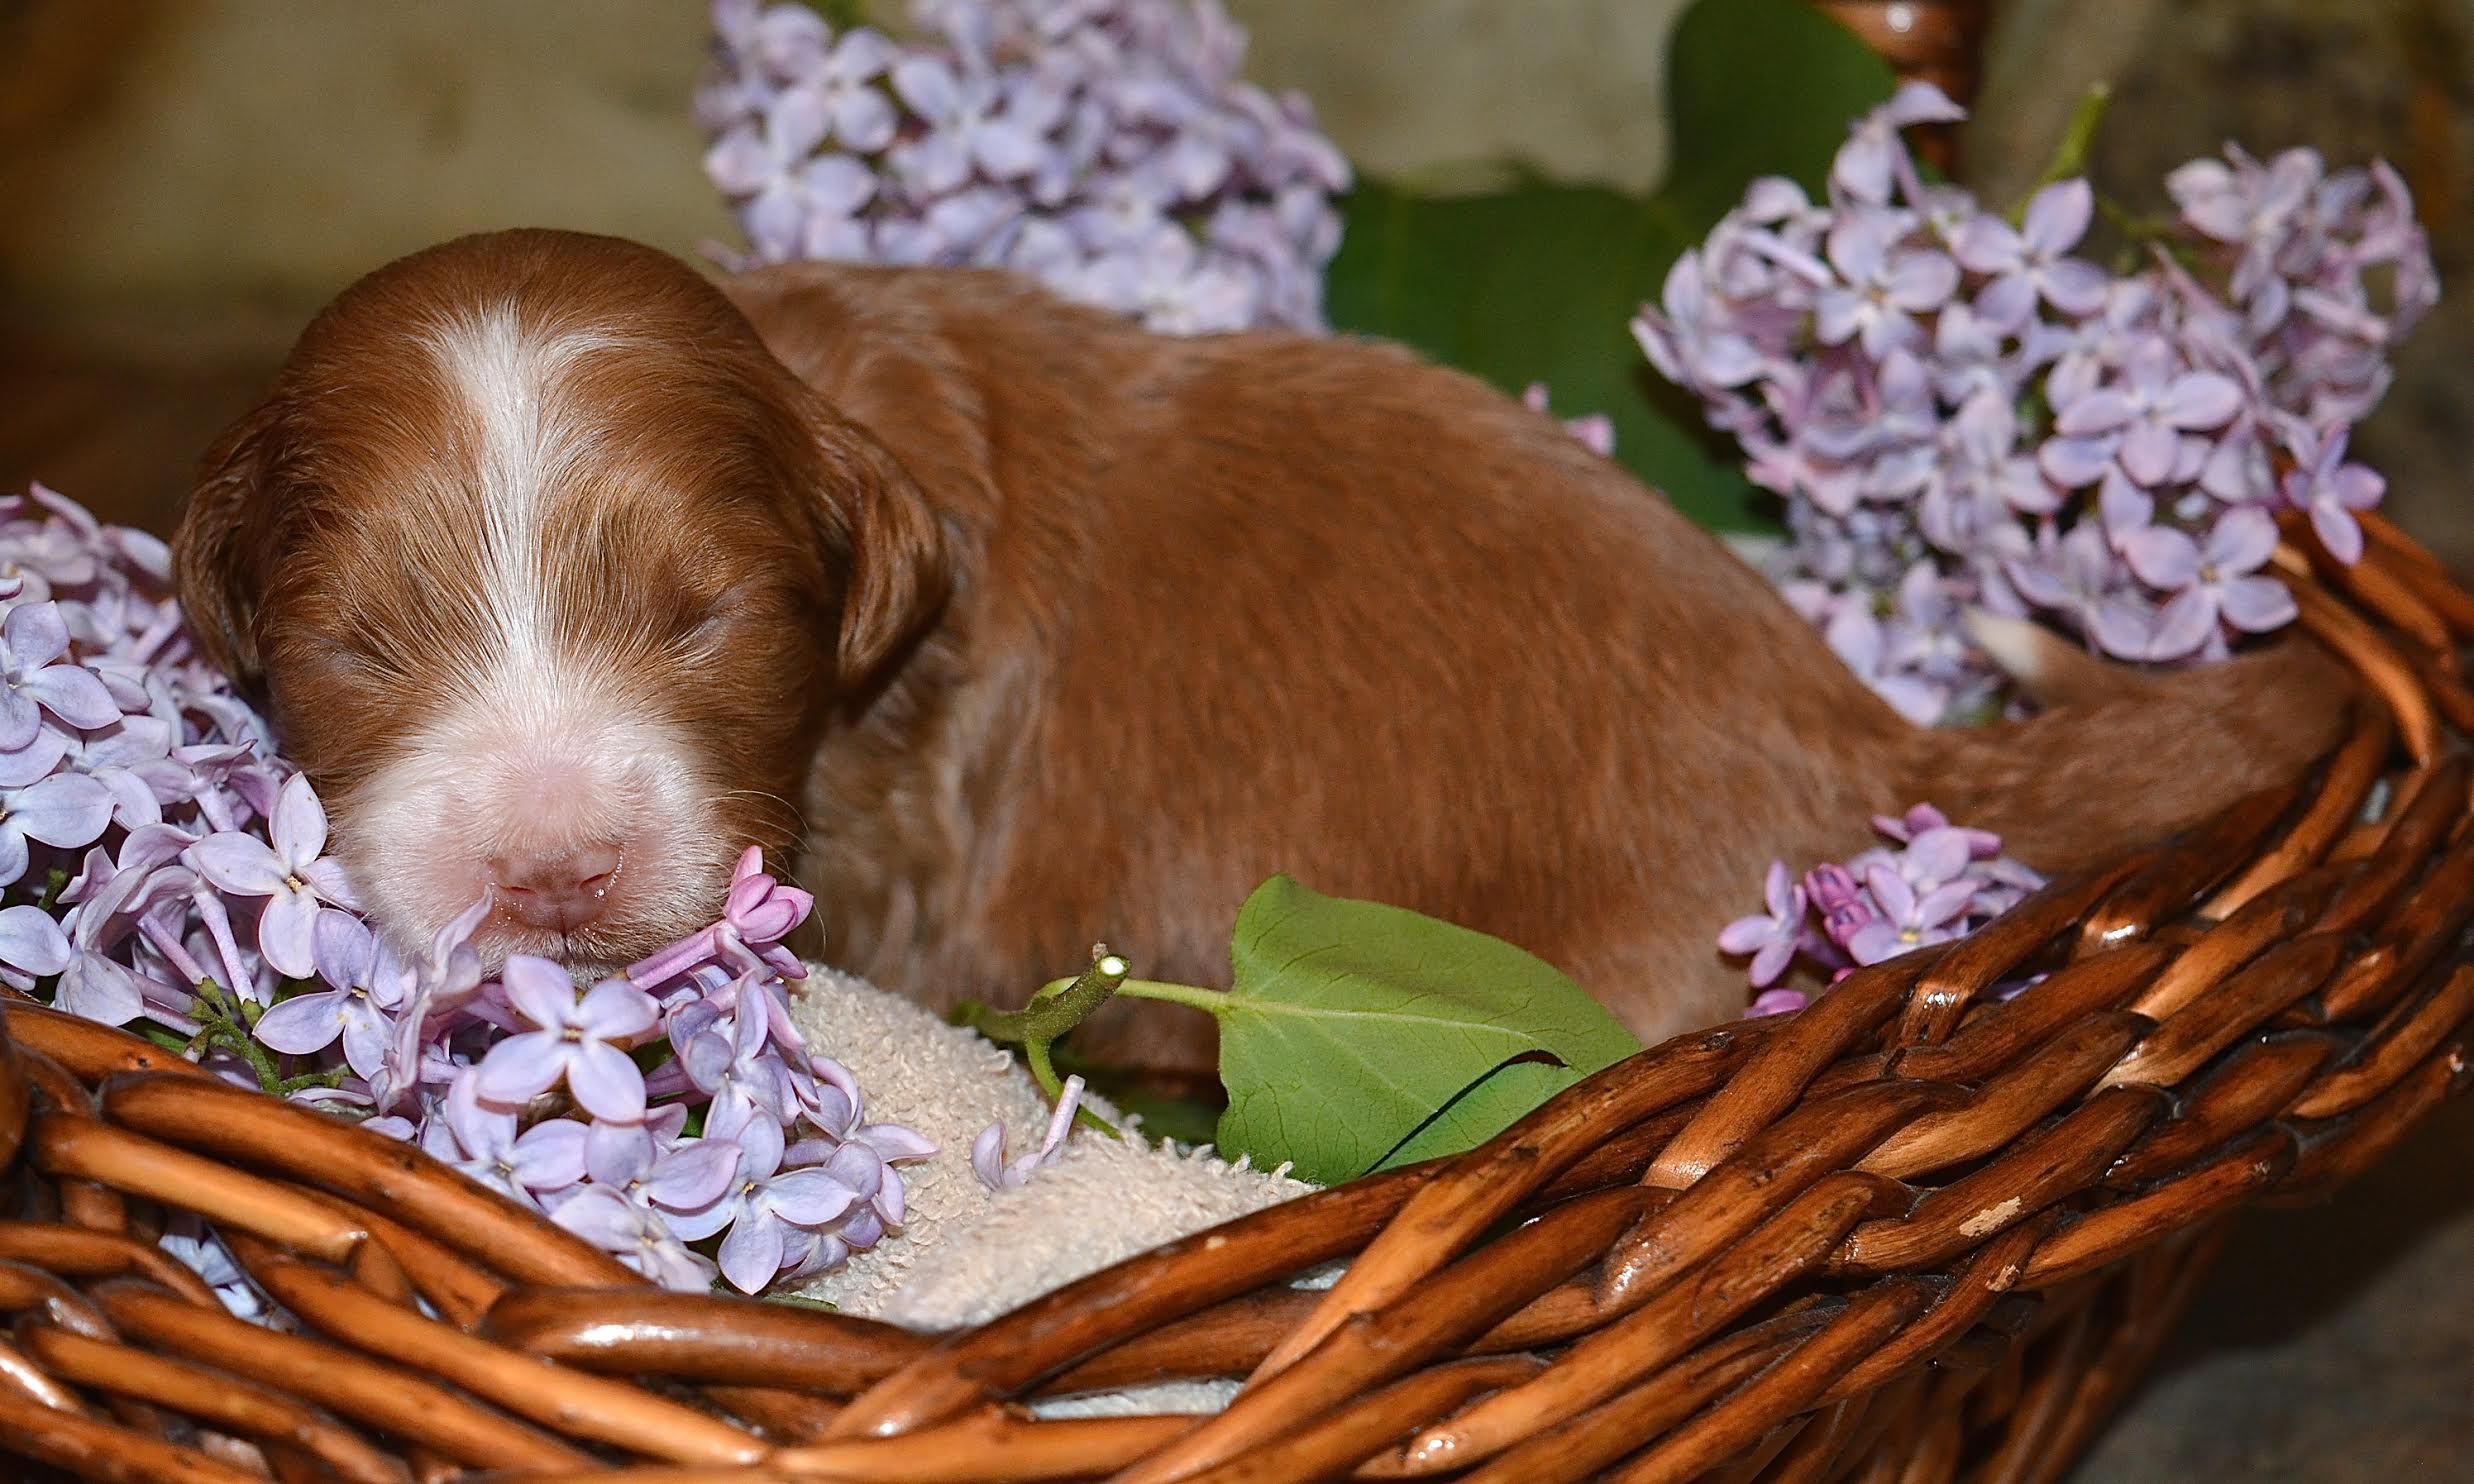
x=1906 y=1234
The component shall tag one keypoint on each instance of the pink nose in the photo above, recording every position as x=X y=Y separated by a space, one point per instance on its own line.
x=553 y=889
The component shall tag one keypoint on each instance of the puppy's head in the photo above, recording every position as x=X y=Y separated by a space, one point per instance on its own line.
x=551 y=575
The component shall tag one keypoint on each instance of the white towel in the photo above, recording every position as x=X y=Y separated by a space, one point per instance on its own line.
x=966 y=1253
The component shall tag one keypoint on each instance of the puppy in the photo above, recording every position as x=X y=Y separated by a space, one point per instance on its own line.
x=567 y=574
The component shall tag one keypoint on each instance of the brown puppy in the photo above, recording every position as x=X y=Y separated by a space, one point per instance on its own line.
x=569 y=574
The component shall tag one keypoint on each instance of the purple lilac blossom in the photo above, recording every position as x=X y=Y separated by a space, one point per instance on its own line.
x=1106 y=147
x=162 y=867
x=1961 y=412
x=1942 y=882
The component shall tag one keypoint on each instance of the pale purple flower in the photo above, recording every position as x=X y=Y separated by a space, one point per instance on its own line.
x=364 y=989
x=1777 y=1002
x=1872 y=160
x=578 y=1041
x=289 y=868
x=2148 y=409
x=988 y=1150
x=2331 y=490
x=1886 y=286
x=762 y=1200
x=666 y=1173
x=2031 y=262
x=1689 y=340
x=32 y=946
x=1774 y=938
x=637 y=1235
x=66 y=809
x=33 y=680
x=2211 y=581
x=1907 y=919
x=537 y=1164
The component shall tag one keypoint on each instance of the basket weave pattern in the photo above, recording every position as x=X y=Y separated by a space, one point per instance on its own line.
x=1910 y=1233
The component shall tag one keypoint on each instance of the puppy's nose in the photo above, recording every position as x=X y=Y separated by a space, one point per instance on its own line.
x=558 y=890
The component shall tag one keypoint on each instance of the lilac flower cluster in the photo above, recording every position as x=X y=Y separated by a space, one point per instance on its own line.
x=1105 y=147
x=162 y=867
x=1959 y=412
x=1943 y=882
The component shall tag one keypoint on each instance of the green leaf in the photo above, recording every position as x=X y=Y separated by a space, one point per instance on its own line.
x=1354 y=1030
x=1540 y=282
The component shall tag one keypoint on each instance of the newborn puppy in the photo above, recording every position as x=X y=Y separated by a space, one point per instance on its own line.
x=568 y=574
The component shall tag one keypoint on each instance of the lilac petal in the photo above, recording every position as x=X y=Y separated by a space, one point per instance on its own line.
x=692 y=1177
x=739 y=164
x=863 y=120
x=95 y=988
x=521 y=1068
x=605 y=1082
x=36 y=754
x=302 y=1024
x=2058 y=216
x=20 y=719
x=796 y=122
x=342 y=947
x=74 y=695
x=857 y=1168
x=752 y=1254
x=809 y=1197
x=31 y=939
x=893 y=1143
x=615 y=1010
x=602 y=1217
x=540 y=991
x=2163 y=557
x=1921 y=280
x=1891 y=892
x=325 y=876
x=299 y=827
x=618 y=1153
x=1746 y=934
x=2008 y=300
x=2337 y=530
x=1986 y=244
x=2202 y=399
x=287 y=932
x=2243 y=539
x=988 y=1156
x=2075 y=287
x=2148 y=452
x=2075 y=463
x=694 y=1224
x=1938 y=855
x=550 y=1155
x=2183 y=625
x=928 y=86
x=2097 y=412
x=1777 y=1002
x=68 y=809
x=1944 y=903
x=238 y=863
x=35 y=633
x=2257 y=605
x=1771 y=962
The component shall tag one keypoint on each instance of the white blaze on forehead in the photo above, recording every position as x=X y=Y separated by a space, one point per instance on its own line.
x=532 y=747
x=529 y=432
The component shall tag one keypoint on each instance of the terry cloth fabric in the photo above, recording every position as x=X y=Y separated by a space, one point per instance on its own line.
x=966 y=1253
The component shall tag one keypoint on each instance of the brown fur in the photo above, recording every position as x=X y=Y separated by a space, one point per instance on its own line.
x=1217 y=608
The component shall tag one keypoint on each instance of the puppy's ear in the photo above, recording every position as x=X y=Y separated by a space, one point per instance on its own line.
x=892 y=551
x=220 y=550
